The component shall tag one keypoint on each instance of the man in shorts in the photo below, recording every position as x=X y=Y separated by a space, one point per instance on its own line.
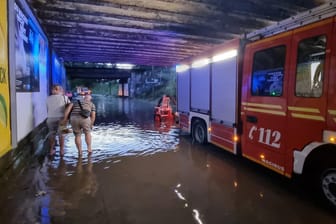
x=56 y=103
x=81 y=124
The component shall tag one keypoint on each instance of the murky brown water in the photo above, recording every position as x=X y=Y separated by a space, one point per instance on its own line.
x=145 y=172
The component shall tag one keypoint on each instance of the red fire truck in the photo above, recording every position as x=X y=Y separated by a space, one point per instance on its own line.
x=269 y=96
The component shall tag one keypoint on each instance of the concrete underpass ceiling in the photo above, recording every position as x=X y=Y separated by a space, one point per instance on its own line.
x=153 y=32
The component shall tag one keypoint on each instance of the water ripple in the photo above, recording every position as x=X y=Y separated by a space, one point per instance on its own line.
x=117 y=140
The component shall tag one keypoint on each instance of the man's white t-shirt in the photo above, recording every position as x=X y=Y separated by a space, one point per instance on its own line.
x=56 y=105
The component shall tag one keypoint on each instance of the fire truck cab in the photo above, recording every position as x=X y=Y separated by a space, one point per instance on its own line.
x=270 y=97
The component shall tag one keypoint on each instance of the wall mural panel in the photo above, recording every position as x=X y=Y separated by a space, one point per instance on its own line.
x=31 y=69
x=29 y=45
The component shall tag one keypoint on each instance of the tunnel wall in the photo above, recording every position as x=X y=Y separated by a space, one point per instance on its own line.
x=57 y=71
x=35 y=68
x=28 y=69
x=31 y=67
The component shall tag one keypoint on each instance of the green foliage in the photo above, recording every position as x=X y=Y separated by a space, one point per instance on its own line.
x=148 y=84
x=104 y=87
x=153 y=84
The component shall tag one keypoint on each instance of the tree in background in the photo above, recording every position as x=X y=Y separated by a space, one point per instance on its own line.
x=149 y=84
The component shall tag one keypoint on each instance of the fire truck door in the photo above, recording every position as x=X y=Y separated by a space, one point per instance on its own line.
x=264 y=101
x=309 y=73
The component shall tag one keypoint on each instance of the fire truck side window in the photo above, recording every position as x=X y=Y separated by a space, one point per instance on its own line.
x=268 y=72
x=309 y=70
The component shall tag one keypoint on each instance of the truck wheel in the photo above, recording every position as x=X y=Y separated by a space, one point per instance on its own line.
x=199 y=132
x=328 y=185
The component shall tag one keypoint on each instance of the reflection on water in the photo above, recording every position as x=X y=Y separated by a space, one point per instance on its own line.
x=143 y=172
x=69 y=185
x=125 y=127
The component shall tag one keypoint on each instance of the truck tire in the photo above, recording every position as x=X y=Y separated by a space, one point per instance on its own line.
x=199 y=132
x=328 y=185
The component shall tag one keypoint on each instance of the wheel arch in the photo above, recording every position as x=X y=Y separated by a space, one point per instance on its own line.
x=310 y=154
x=320 y=157
x=196 y=119
x=319 y=171
x=201 y=117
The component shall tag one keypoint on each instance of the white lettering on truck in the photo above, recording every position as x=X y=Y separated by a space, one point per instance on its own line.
x=266 y=136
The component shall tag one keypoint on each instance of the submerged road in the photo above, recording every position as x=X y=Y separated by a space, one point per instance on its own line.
x=145 y=172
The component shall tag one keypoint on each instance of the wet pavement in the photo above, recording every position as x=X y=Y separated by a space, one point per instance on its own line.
x=145 y=172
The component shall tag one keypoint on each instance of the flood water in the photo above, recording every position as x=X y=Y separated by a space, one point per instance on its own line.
x=146 y=172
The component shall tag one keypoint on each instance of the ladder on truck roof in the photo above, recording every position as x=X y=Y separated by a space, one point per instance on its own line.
x=322 y=12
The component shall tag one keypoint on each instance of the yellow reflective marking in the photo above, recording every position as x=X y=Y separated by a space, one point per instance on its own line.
x=269 y=106
x=225 y=140
x=332 y=112
x=309 y=117
x=288 y=175
x=264 y=164
x=304 y=109
x=223 y=147
x=281 y=113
